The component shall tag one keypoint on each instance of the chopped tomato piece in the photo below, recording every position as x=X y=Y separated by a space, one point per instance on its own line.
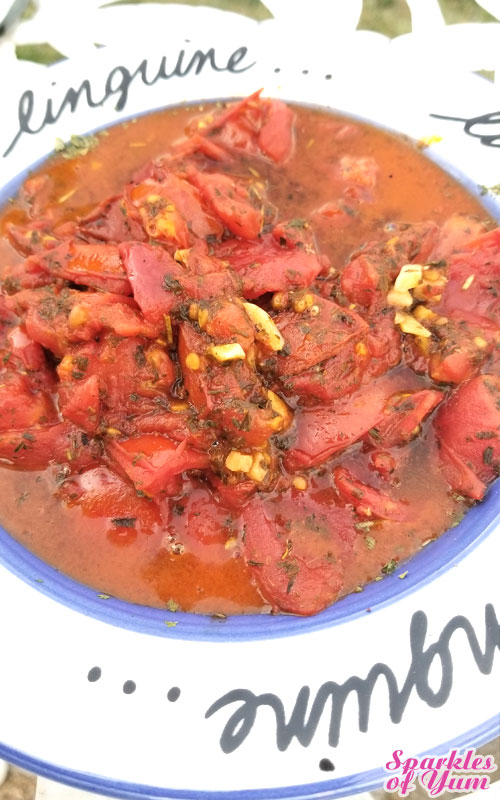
x=333 y=378
x=171 y=210
x=402 y=417
x=230 y=200
x=152 y=461
x=322 y=432
x=298 y=552
x=267 y=266
x=367 y=501
x=42 y=446
x=20 y=407
x=319 y=332
x=110 y=222
x=366 y=278
x=96 y=265
x=56 y=318
x=360 y=170
x=468 y=428
x=276 y=134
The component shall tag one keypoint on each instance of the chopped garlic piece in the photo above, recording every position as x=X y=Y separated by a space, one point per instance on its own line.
x=399 y=299
x=409 y=324
x=193 y=361
x=423 y=313
x=226 y=352
x=360 y=349
x=265 y=327
x=480 y=342
x=202 y=317
x=302 y=302
x=468 y=282
x=78 y=316
x=300 y=483
x=284 y=415
x=181 y=256
x=259 y=469
x=279 y=301
x=410 y=275
x=239 y=462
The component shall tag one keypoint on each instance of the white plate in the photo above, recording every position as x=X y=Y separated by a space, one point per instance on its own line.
x=106 y=696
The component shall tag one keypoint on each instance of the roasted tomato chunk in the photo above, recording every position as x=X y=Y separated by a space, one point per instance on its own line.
x=298 y=551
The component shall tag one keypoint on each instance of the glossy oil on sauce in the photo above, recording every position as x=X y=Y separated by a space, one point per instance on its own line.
x=136 y=565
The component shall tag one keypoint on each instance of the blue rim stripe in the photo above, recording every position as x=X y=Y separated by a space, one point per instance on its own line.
x=324 y=790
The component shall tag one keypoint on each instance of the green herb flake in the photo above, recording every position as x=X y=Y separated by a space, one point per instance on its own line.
x=77 y=146
x=485 y=435
x=103 y=596
x=29 y=436
x=171 y=284
x=370 y=542
x=170 y=624
x=124 y=522
x=403 y=575
x=22 y=497
x=388 y=568
x=297 y=223
x=487 y=455
x=172 y=605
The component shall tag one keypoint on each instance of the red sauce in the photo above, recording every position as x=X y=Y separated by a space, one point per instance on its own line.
x=176 y=445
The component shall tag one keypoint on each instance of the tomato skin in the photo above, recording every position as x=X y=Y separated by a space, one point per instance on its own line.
x=298 y=551
x=276 y=134
x=368 y=501
x=470 y=450
x=151 y=461
x=230 y=201
x=61 y=444
x=322 y=432
x=265 y=266
x=110 y=222
x=331 y=379
x=402 y=417
x=20 y=407
x=312 y=338
x=101 y=493
x=96 y=265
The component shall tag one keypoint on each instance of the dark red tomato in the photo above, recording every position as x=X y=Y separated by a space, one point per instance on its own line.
x=367 y=501
x=468 y=428
x=322 y=432
x=101 y=493
x=298 y=552
x=267 y=266
x=276 y=134
x=110 y=222
x=230 y=200
x=151 y=462
x=402 y=417
x=319 y=332
x=96 y=265
x=38 y=448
